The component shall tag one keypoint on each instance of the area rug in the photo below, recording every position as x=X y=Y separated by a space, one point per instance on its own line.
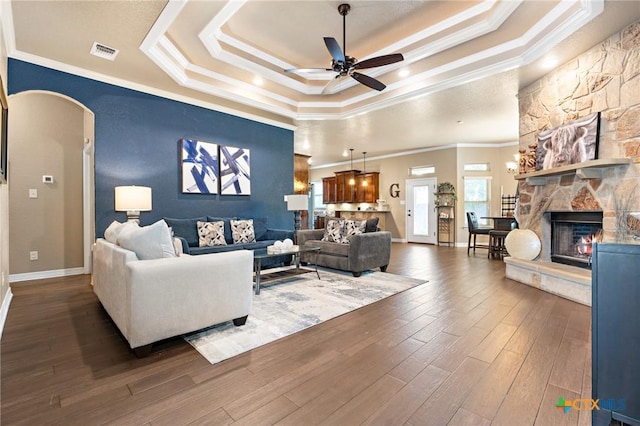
x=291 y=304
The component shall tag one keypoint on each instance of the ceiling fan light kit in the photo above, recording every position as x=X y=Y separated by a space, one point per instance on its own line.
x=345 y=65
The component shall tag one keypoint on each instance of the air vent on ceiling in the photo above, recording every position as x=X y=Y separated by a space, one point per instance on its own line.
x=102 y=51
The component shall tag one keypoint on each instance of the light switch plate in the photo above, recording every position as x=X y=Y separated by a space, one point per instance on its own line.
x=33 y=193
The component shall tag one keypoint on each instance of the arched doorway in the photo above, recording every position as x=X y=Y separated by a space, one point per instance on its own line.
x=51 y=185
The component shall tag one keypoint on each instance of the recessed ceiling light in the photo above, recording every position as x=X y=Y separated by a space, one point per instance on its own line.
x=305 y=145
x=459 y=121
x=403 y=72
x=103 y=51
x=549 y=63
x=258 y=81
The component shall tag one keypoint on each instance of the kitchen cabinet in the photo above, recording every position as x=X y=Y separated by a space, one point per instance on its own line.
x=370 y=192
x=346 y=186
x=329 y=190
x=338 y=189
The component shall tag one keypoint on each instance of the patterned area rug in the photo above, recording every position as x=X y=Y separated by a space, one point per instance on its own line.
x=291 y=304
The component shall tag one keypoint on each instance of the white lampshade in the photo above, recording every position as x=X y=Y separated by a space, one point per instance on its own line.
x=133 y=199
x=297 y=202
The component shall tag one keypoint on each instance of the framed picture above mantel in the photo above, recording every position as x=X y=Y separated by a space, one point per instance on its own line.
x=571 y=143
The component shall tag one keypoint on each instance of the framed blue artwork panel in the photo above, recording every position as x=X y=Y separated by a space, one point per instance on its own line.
x=235 y=171
x=199 y=160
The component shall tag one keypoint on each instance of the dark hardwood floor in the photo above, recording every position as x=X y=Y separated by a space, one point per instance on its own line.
x=470 y=347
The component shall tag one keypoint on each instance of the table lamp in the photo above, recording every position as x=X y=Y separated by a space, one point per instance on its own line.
x=133 y=200
x=296 y=203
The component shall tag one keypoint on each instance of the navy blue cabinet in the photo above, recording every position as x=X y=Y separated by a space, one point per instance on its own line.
x=616 y=333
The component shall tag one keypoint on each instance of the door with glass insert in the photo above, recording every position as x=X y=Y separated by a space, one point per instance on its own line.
x=421 y=217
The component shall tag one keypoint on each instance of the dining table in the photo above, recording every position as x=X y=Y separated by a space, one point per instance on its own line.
x=502 y=223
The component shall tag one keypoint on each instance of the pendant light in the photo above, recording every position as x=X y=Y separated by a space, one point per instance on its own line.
x=352 y=181
x=364 y=167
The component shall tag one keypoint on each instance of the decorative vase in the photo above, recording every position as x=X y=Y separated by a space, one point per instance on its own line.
x=523 y=244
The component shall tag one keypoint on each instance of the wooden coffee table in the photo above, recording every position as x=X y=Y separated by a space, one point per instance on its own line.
x=261 y=254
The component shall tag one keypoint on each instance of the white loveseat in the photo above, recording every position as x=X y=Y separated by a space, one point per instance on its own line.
x=150 y=300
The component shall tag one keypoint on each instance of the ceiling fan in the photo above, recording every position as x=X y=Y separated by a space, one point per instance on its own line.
x=346 y=65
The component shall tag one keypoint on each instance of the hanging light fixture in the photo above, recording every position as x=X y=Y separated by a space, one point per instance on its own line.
x=352 y=181
x=364 y=167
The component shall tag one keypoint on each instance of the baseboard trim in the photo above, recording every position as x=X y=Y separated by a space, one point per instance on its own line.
x=398 y=240
x=28 y=276
x=4 y=310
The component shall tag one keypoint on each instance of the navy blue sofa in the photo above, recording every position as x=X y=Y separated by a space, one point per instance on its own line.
x=187 y=231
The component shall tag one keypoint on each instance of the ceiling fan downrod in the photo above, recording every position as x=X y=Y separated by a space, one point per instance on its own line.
x=344 y=9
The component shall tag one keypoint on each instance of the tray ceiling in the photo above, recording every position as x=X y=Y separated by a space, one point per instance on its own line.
x=230 y=56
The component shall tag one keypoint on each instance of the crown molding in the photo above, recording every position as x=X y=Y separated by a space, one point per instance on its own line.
x=81 y=72
x=419 y=151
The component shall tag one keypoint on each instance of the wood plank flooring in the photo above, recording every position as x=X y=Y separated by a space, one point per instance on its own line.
x=470 y=347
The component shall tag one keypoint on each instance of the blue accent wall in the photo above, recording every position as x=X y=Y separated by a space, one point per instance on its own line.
x=137 y=143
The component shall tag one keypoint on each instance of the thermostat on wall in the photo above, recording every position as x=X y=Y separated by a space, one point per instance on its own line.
x=47 y=179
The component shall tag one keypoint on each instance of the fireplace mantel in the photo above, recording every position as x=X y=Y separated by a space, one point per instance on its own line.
x=591 y=169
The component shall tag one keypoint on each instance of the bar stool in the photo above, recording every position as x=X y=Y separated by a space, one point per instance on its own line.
x=496 y=243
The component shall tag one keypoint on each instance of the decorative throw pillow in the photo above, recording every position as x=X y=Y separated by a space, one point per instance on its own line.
x=125 y=229
x=149 y=242
x=351 y=228
x=211 y=234
x=242 y=230
x=372 y=224
x=333 y=231
x=111 y=233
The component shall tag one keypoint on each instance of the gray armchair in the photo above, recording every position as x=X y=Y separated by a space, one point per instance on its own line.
x=365 y=251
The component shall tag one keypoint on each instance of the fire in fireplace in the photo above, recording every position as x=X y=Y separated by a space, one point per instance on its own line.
x=572 y=236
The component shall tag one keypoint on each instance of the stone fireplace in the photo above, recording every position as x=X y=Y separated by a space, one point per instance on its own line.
x=605 y=79
x=573 y=235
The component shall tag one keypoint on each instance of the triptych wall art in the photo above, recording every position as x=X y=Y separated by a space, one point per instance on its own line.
x=209 y=168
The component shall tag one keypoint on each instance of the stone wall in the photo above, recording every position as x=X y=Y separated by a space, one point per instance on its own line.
x=606 y=78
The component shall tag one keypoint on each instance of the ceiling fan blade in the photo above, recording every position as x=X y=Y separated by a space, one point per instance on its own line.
x=331 y=86
x=308 y=69
x=379 y=61
x=368 y=81
x=334 y=48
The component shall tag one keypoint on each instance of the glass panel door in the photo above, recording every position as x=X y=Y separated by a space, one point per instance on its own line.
x=421 y=223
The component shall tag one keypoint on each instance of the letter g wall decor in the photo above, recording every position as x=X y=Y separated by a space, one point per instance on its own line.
x=394 y=190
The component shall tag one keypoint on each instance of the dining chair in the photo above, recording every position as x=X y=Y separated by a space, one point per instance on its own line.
x=474 y=231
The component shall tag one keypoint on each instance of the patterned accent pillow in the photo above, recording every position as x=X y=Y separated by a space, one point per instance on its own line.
x=242 y=231
x=333 y=231
x=211 y=234
x=351 y=228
